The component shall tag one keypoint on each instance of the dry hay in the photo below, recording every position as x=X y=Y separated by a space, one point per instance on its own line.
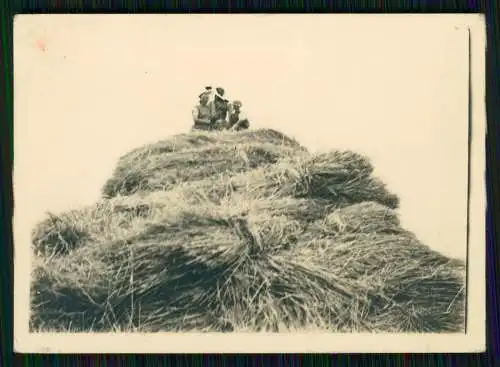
x=176 y=262
x=58 y=233
x=409 y=287
x=200 y=139
x=108 y=220
x=137 y=165
x=344 y=177
x=329 y=177
x=365 y=217
x=117 y=218
x=203 y=240
x=208 y=269
x=165 y=171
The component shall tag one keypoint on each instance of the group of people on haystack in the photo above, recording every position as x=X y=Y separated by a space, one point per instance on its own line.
x=215 y=112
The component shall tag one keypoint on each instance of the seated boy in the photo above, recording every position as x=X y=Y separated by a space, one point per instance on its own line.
x=202 y=112
x=220 y=109
x=237 y=118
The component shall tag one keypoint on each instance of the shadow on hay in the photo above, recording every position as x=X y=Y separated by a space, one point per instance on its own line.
x=155 y=280
x=182 y=278
x=165 y=171
x=200 y=139
x=169 y=292
x=408 y=287
x=312 y=240
x=211 y=277
x=301 y=178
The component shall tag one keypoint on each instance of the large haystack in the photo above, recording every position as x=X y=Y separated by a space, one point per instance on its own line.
x=241 y=231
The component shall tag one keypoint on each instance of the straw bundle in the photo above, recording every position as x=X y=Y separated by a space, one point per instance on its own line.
x=223 y=272
x=199 y=139
x=365 y=217
x=409 y=287
x=240 y=232
x=164 y=171
x=317 y=177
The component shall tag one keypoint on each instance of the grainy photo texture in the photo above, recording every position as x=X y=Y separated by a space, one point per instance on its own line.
x=243 y=174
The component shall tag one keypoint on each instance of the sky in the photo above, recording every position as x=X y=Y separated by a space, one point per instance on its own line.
x=89 y=88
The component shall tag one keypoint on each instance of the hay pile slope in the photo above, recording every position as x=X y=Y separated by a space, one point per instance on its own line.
x=241 y=231
x=195 y=156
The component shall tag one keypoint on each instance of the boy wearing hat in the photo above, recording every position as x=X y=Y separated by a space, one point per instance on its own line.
x=220 y=109
x=202 y=112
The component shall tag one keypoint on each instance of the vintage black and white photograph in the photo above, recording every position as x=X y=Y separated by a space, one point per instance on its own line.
x=249 y=175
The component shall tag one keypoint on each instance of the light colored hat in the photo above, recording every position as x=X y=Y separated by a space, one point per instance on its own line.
x=208 y=90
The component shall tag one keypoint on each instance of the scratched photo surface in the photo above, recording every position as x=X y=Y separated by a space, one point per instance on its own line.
x=243 y=174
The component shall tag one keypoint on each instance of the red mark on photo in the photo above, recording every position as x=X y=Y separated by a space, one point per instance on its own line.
x=41 y=45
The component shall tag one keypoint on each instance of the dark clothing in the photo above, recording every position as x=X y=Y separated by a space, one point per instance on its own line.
x=234 y=119
x=202 y=127
x=242 y=125
x=221 y=109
